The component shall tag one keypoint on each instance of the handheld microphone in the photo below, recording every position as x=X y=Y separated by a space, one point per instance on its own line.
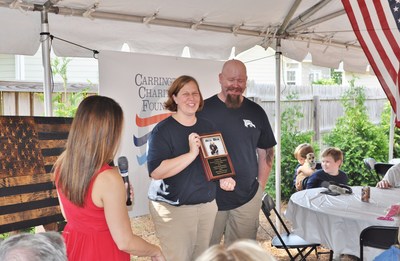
x=123 y=170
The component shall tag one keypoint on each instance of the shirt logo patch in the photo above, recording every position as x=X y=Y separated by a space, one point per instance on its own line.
x=248 y=124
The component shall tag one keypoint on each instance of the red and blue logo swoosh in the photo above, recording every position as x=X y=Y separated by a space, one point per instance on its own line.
x=140 y=141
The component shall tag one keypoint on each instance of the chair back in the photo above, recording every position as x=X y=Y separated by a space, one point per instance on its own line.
x=382 y=168
x=369 y=163
x=382 y=237
x=268 y=205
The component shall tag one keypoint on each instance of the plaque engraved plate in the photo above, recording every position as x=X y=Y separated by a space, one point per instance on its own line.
x=214 y=155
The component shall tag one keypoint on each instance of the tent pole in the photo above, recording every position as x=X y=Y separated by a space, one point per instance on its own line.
x=391 y=135
x=45 y=39
x=278 y=55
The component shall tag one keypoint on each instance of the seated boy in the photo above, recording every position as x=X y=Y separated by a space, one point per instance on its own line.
x=331 y=160
x=302 y=170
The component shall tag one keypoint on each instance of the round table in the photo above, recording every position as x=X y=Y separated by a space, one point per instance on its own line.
x=337 y=221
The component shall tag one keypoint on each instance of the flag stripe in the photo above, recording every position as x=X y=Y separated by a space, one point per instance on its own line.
x=10 y=209
x=17 y=190
x=373 y=23
x=386 y=29
x=31 y=223
x=375 y=39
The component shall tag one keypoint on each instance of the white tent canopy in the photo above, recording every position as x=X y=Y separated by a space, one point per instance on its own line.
x=209 y=28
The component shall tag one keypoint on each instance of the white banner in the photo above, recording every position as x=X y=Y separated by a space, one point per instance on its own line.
x=139 y=83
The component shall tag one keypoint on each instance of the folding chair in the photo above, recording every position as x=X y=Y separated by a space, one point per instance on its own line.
x=370 y=165
x=287 y=240
x=381 y=237
x=379 y=168
x=382 y=168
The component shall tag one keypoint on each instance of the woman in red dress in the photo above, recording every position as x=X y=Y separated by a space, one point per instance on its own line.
x=91 y=193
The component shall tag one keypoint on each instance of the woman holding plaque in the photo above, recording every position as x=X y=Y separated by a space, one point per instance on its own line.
x=182 y=201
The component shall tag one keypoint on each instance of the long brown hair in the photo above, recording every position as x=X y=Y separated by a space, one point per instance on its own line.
x=92 y=142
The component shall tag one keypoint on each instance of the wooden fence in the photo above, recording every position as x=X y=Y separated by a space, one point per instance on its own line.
x=320 y=105
x=26 y=98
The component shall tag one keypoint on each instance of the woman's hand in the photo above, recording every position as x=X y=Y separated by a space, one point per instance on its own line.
x=227 y=184
x=132 y=196
x=194 y=143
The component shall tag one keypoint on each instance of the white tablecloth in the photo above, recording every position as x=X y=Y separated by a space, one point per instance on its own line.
x=337 y=221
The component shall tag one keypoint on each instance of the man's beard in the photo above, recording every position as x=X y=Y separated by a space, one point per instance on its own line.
x=233 y=101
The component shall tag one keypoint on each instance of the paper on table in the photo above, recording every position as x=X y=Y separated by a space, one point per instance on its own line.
x=392 y=211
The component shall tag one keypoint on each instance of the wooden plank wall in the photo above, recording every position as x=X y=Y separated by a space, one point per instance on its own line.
x=29 y=146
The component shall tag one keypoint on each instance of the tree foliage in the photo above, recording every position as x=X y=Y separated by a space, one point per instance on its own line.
x=357 y=137
x=385 y=122
x=65 y=104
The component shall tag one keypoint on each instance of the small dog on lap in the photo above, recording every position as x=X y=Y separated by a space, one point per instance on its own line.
x=305 y=171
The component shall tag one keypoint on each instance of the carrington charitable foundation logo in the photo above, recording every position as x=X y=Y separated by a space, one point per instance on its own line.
x=152 y=92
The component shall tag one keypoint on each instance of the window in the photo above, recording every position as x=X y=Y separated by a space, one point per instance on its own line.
x=314 y=76
x=291 y=77
x=292 y=71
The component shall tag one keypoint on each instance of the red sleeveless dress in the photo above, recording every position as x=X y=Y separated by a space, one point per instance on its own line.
x=86 y=234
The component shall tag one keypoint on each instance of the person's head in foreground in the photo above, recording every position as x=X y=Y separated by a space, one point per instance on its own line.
x=47 y=246
x=240 y=250
x=331 y=160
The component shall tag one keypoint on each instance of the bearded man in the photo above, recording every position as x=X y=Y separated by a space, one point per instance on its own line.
x=249 y=140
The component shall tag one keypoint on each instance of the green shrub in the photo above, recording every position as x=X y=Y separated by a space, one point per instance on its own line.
x=357 y=137
x=385 y=123
x=62 y=108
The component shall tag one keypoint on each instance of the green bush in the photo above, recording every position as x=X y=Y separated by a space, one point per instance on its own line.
x=357 y=137
x=67 y=107
x=385 y=122
x=290 y=138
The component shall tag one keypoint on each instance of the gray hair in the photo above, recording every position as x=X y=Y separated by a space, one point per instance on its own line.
x=47 y=246
x=240 y=250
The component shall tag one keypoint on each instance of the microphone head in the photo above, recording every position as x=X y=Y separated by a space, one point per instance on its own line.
x=123 y=164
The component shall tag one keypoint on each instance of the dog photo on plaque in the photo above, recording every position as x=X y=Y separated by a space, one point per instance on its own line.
x=214 y=155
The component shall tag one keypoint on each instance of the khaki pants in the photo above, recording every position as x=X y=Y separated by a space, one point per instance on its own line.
x=241 y=222
x=185 y=231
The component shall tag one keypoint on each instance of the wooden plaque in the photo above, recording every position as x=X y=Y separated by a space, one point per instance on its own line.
x=214 y=155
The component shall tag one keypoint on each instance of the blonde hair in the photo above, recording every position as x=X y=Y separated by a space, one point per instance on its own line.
x=241 y=250
x=92 y=142
x=302 y=150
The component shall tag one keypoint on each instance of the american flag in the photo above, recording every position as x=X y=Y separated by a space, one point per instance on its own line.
x=29 y=146
x=376 y=24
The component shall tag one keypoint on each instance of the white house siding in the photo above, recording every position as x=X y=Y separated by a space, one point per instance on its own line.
x=80 y=70
x=260 y=64
x=308 y=68
x=7 y=67
x=33 y=68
